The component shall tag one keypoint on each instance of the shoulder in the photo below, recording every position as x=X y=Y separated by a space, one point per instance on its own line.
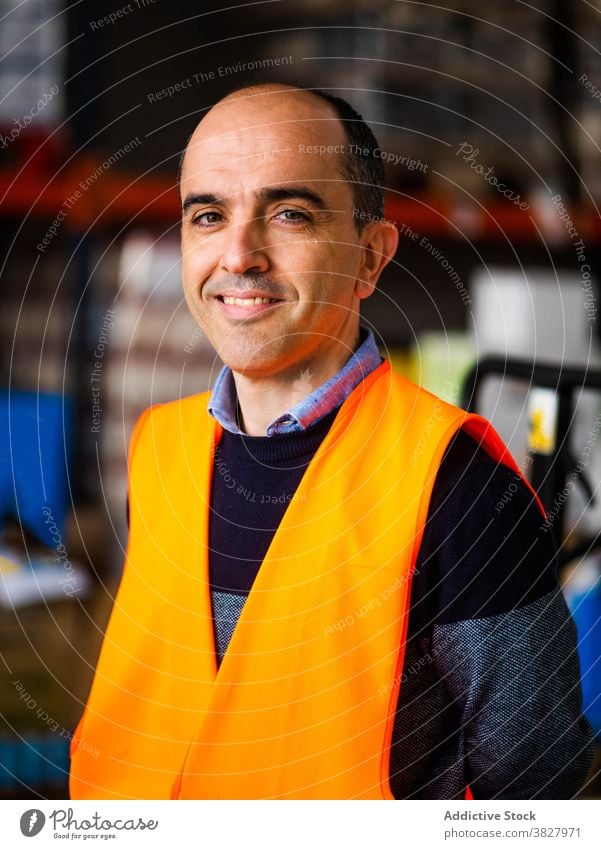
x=485 y=550
x=188 y=405
x=468 y=469
x=161 y=421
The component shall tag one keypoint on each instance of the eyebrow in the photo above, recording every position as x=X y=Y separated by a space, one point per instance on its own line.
x=277 y=193
x=206 y=199
x=269 y=193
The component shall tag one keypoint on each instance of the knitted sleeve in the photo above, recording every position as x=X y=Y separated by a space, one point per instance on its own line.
x=491 y=688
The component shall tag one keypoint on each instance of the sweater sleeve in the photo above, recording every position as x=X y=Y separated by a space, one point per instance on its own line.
x=516 y=679
x=503 y=643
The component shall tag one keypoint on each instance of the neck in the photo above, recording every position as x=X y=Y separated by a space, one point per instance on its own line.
x=263 y=399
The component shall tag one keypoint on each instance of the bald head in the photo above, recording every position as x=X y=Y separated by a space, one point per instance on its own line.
x=331 y=121
x=268 y=95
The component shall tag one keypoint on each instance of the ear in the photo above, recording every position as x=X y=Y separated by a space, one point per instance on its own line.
x=379 y=240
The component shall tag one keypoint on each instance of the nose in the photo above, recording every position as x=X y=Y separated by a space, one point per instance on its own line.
x=245 y=250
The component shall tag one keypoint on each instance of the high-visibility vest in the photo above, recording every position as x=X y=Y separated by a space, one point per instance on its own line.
x=303 y=703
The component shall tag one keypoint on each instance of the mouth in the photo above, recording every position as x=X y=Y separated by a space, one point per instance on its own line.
x=235 y=307
x=246 y=302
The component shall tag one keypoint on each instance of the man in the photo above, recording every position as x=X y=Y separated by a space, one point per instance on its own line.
x=319 y=600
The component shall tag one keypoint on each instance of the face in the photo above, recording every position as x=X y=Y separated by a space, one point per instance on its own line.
x=272 y=260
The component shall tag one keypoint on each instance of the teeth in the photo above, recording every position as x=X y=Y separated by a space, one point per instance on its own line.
x=246 y=302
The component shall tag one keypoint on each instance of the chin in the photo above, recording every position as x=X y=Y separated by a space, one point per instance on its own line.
x=248 y=368
x=256 y=364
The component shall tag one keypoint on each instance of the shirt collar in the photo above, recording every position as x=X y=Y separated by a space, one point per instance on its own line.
x=313 y=404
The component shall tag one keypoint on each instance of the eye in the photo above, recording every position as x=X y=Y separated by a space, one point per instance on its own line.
x=293 y=216
x=206 y=219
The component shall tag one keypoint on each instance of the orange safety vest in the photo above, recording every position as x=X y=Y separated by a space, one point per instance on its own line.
x=303 y=703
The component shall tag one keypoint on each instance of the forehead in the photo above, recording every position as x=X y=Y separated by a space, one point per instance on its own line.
x=256 y=142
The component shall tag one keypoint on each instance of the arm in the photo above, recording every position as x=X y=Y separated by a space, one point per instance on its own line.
x=503 y=642
x=517 y=679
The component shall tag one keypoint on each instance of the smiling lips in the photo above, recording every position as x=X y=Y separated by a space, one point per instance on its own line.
x=247 y=302
x=236 y=307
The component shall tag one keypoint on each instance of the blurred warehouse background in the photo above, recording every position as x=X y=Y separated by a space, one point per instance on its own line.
x=489 y=120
